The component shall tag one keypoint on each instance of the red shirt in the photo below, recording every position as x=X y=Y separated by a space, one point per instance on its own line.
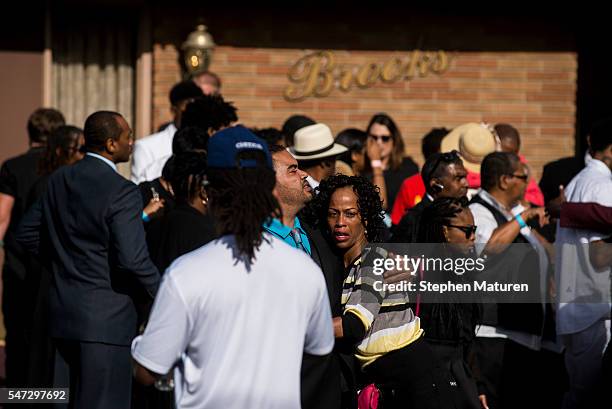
x=411 y=192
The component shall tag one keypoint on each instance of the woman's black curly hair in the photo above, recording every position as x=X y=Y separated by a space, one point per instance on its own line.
x=368 y=202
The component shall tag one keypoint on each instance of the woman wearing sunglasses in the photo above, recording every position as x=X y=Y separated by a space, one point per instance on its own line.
x=378 y=327
x=448 y=321
x=390 y=160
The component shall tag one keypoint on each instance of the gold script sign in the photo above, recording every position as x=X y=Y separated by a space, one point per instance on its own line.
x=317 y=74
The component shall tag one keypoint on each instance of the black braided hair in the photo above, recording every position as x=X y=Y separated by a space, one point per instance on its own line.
x=444 y=317
x=187 y=176
x=368 y=202
x=437 y=215
x=241 y=201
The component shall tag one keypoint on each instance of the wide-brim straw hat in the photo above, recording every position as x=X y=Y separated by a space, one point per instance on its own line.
x=473 y=142
x=315 y=142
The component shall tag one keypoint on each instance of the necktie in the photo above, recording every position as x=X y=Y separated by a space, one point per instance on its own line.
x=295 y=233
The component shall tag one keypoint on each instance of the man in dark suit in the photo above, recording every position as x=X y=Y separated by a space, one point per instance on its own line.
x=87 y=228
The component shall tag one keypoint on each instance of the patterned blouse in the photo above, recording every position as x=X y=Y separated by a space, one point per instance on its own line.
x=389 y=321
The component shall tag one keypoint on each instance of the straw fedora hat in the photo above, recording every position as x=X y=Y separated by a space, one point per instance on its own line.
x=315 y=142
x=473 y=142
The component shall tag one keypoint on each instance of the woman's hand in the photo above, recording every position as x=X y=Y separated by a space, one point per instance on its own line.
x=154 y=206
x=373 y=149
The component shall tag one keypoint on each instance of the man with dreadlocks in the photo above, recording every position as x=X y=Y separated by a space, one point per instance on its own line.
x=237 y=314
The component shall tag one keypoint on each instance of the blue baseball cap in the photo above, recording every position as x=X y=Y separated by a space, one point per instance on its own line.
x=224 y=146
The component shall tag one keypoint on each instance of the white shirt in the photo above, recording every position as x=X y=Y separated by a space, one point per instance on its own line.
x=575 y=276
x=150 y=155
x=237 y=334
x=486 y=224
x=312 y=182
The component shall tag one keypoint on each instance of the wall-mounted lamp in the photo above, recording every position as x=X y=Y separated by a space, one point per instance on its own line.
x=197 y=50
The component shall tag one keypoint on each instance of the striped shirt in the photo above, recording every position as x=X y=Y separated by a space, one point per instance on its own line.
x=389 y=321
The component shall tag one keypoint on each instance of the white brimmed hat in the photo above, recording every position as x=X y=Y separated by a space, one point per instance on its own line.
x=315 y=142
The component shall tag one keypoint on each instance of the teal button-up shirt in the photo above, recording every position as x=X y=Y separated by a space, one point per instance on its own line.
x=295 y=238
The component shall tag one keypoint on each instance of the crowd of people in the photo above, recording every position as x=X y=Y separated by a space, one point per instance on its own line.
x=234 y=269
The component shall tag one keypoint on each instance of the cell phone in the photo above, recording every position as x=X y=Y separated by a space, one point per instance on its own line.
x=155 y=194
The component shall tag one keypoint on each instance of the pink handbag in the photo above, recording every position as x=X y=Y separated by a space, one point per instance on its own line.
x=368 y=397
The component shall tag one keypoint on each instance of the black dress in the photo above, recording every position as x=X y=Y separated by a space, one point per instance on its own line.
x=17 y=175
x=395 y=177
x=179 y=231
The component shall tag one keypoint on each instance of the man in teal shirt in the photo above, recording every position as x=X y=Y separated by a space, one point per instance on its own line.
x=320 y=377
x=292 y=192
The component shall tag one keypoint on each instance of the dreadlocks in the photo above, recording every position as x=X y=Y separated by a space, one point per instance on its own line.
x=437 y=215
x=241 y=201
x=187 y=176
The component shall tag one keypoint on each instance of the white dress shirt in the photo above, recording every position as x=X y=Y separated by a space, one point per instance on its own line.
x=150 y=155
x=575 y=276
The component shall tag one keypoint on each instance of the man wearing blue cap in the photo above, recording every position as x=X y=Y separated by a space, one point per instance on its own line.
x=236 y=315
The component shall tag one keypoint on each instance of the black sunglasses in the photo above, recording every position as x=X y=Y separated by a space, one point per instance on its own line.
x=468 y=230
x=384 y=138
x=522 y=177
x=447 y=157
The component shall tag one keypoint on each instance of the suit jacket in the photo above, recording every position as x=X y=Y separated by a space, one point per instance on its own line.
x=321 y=376
x=331 y=264
x=87 y=229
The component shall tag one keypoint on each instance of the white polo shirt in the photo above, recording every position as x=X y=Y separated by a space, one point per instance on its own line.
x=150 y=155
x=575 y=276
x=237 y=334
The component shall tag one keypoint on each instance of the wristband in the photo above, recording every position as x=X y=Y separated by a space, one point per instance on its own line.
x=1 y=243
x=520 y=221
x=376 y=163
x=145 y=217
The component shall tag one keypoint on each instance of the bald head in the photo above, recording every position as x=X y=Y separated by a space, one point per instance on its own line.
x=509 y=137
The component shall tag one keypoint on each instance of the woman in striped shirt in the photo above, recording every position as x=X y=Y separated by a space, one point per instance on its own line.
x=379 y=325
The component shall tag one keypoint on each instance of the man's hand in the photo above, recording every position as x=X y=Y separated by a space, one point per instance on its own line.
x=483 y=401
x=338 y=333
x=554 y=205
x=396 y=276
x=536 y=213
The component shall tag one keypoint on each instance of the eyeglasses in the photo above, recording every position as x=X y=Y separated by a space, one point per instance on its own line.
x=384 y=138
x=522 y=177
x=468 y=230
x=447 y=157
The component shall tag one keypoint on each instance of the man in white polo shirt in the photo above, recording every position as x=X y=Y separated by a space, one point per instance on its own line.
x=583 y=287
x=236 y=315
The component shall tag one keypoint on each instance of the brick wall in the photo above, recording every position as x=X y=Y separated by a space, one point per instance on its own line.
x=534 y=91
